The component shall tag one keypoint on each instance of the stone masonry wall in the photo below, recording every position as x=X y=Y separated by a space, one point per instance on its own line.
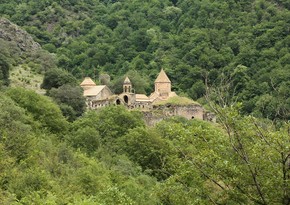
x=159 y=113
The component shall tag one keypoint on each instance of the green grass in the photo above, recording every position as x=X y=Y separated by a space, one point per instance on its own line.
x=177 y=100
x=23 y=76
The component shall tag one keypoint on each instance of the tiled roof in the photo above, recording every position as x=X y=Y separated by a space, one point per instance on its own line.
x=127 y=80
x=88 y=82
x=93 y=91
x=141 y=97
x=162 y=77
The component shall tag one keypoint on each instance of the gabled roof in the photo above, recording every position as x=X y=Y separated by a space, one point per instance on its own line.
x=162 y=77
x=93 y=91
x=88 y=82
x=127 y=80
x=142 y=98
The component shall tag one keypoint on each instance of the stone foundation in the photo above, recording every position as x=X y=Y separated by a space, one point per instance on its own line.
x=159 y=113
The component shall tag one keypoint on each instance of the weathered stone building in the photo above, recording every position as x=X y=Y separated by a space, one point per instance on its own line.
x=162 y=88
x=96 y=95
x=162 y=103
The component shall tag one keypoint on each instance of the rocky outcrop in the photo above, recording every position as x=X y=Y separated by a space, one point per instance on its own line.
x=12 y=32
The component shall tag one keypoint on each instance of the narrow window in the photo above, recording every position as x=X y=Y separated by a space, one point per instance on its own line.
x=126 y=99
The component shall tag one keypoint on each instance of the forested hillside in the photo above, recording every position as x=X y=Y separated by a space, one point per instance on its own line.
x=231 y=55
x=110 y=157
x=242 y=46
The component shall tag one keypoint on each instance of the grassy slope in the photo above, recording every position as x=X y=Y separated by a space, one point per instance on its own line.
x=177 y=100
x=24 y=76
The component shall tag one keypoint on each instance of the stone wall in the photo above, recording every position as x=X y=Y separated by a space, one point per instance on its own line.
x=159 y=113
x=98 y=104
x=190 y=112
x=163 y=89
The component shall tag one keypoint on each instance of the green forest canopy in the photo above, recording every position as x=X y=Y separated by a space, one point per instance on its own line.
x=239 y=48
x=193 y=40
x=111 y=157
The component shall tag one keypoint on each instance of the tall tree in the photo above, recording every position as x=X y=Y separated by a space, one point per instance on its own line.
x=56 y=77
x=4 y=71
x=72 y=96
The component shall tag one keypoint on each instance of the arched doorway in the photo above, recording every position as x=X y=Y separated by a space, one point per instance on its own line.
x=118 y=102
x=126 y=99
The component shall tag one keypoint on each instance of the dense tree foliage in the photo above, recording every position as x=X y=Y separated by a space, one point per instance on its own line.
x=38 y=166
x=193 y=40
x=70 y=99
x=41 y=108
x=111 y=123
x=232 y=51
x=4 y=71
x=55 y=78
x=110 y=157
x=140 y=83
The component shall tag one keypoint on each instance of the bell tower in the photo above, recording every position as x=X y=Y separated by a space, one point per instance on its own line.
x=127 y=86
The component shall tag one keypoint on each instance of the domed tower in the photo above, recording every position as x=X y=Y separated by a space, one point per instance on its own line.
x=162 y=85
x=127 y=86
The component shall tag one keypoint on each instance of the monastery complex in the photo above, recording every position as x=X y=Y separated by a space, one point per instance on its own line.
x=155 y=107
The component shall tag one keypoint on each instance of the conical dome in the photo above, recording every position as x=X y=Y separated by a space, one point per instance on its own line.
x=162 y=77
x=88 y=82
x=127 y=80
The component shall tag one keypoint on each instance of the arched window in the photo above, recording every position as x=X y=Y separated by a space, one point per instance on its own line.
x=118 y=102
x=126 y=99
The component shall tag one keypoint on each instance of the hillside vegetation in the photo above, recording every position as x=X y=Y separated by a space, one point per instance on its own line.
x=242 y=46
x=22 y=60
x=111 y=157
x=231 y=55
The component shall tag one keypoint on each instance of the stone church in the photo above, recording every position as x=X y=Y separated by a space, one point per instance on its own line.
x=98 y=96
